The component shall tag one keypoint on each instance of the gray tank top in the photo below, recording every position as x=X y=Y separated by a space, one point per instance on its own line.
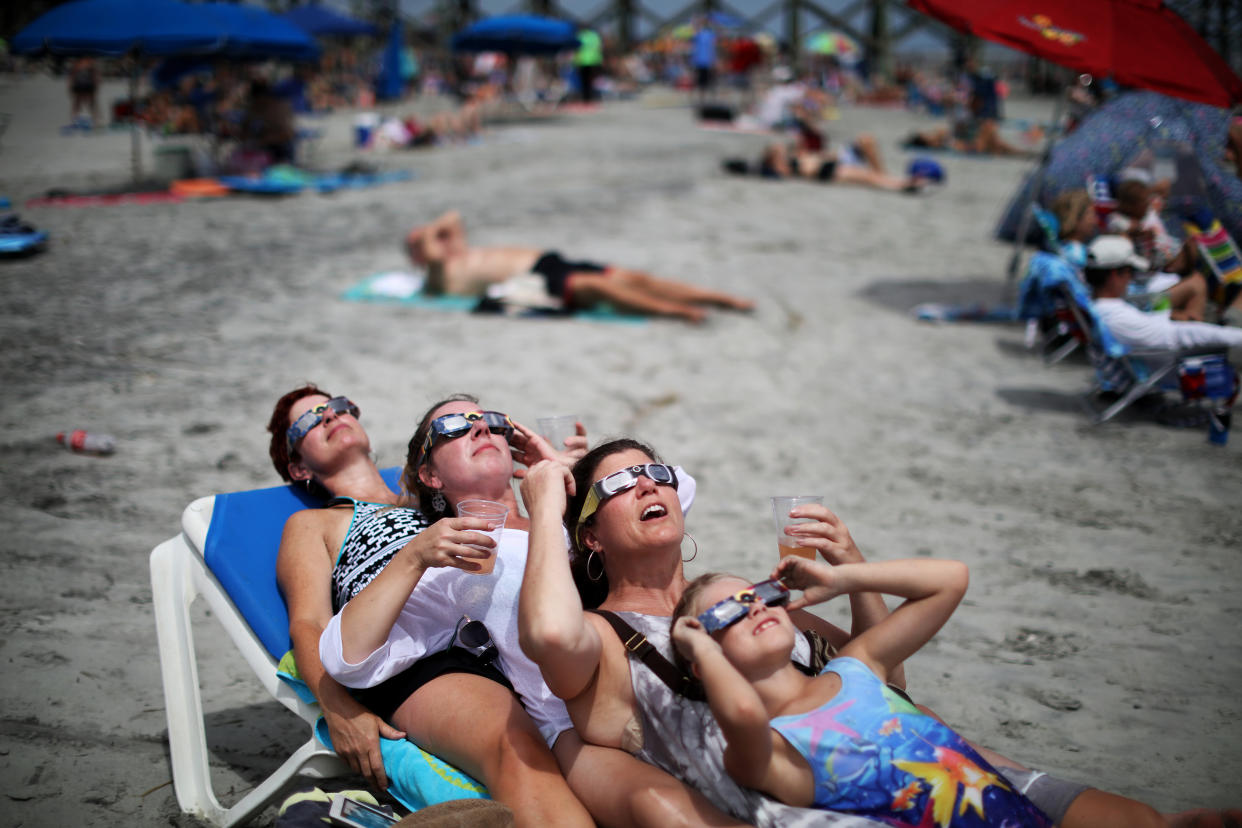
x=681 y=737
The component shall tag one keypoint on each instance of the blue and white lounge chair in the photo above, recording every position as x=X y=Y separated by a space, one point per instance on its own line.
x=226 y=553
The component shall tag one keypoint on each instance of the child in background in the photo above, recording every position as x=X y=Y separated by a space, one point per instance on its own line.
x=1174 y=264
x=842 y=740
x=1077 y=225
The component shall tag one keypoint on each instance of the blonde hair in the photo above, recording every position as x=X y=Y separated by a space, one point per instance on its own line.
x=1069 y=208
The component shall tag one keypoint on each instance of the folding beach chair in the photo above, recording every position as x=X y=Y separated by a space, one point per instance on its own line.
x=1132 y=373
x=226 y=553
x=1051 y=327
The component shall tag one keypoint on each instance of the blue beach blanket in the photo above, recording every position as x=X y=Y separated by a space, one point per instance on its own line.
x=289 y=180
x=402 y=288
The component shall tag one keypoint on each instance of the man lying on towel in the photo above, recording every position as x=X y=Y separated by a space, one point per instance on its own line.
x=454 y=266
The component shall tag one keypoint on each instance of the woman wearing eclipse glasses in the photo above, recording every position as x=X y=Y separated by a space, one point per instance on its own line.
x=625 y=564
x=395 y=635
x=454 y=703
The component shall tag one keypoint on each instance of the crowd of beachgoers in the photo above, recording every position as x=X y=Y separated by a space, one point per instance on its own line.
x=575 y=633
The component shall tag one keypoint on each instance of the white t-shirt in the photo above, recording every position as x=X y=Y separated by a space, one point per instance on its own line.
x=1142 y=329
x=430 y=616
x=777 y=103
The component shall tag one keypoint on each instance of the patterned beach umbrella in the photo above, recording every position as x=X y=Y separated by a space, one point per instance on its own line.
x=829 y=43
x=1139 y=128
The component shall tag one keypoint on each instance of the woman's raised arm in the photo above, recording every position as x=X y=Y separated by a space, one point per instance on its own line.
x=552 y=626
x=933 y=589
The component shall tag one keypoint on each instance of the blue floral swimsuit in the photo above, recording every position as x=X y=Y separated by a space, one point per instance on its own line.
x=875 y=754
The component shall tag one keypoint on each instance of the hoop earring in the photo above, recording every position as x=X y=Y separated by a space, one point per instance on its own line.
x=590 y=558
x=438 y=503
x=696 y=548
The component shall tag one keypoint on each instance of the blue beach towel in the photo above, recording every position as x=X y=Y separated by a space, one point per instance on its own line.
x=402 y=288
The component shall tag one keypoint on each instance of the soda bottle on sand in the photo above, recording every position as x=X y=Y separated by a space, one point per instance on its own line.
x=86 y=442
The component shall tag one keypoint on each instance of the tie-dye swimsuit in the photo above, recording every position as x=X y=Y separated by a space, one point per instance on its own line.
x=875 y=754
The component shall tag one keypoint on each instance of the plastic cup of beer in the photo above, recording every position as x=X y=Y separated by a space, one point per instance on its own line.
x=489 y=510
x=781 y=507
x=557 y=428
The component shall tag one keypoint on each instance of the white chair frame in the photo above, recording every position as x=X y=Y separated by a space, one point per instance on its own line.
x=179 y=575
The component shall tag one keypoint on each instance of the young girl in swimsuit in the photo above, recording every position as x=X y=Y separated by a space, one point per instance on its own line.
x=843 y=740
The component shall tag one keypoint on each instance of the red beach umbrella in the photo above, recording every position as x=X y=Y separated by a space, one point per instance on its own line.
x=1139 y=43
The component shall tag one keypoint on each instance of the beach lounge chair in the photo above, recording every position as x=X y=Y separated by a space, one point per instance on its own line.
x=226 y=554
x=1123 y=375
x=1051 y=327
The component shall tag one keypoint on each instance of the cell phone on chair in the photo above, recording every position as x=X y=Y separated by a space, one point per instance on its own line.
x=346 y=811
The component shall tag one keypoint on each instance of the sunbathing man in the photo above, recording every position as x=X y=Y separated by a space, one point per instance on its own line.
x=454 y=266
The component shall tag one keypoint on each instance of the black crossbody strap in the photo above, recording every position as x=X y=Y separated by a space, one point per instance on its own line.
x=637 y=644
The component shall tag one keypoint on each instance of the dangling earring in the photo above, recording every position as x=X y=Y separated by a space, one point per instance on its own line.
x=593 y=557
x=306 y=485
x=438 y=504
x=696 y=548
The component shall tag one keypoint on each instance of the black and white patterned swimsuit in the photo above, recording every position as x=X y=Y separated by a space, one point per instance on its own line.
x=376 y=533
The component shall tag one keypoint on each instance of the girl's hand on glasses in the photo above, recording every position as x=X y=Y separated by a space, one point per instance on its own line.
x=819 y=582
x=452 y=542
x=690 y=638
x=546 y=486
x=827 y=534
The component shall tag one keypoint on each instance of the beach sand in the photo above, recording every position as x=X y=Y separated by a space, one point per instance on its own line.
x=1100 y=636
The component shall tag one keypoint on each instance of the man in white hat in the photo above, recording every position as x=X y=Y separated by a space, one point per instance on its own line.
x=1111 y=263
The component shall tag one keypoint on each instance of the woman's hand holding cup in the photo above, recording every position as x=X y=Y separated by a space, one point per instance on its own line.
x=459 y=542
x=823 y=530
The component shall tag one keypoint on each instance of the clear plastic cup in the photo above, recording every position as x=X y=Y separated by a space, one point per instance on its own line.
x=781 y=506
x=556 y=429
x=494 y=512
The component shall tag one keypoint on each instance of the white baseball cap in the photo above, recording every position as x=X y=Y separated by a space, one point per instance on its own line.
x=1108 y=252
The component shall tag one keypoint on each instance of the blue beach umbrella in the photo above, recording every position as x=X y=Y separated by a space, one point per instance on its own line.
x=322 y=22
x=161 y=28
x=112 y=28
x=251 y=32
x=519 y=34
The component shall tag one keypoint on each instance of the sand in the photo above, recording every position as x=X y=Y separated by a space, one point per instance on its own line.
x=1099 y=639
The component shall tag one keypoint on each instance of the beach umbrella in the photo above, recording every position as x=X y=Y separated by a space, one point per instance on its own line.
x=1144 y=128
x=517 y=34
x=161 y=28
x=829 y=43
x=323 y=22
x=1140 y=43
x=251 y=32
x=112 y=28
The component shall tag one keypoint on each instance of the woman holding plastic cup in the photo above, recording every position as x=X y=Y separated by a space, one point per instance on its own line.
x=626 y=558
x=484 y=709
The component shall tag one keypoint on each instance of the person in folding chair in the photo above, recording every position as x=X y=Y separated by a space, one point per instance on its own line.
x=328 y=555
x=1111 y=264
